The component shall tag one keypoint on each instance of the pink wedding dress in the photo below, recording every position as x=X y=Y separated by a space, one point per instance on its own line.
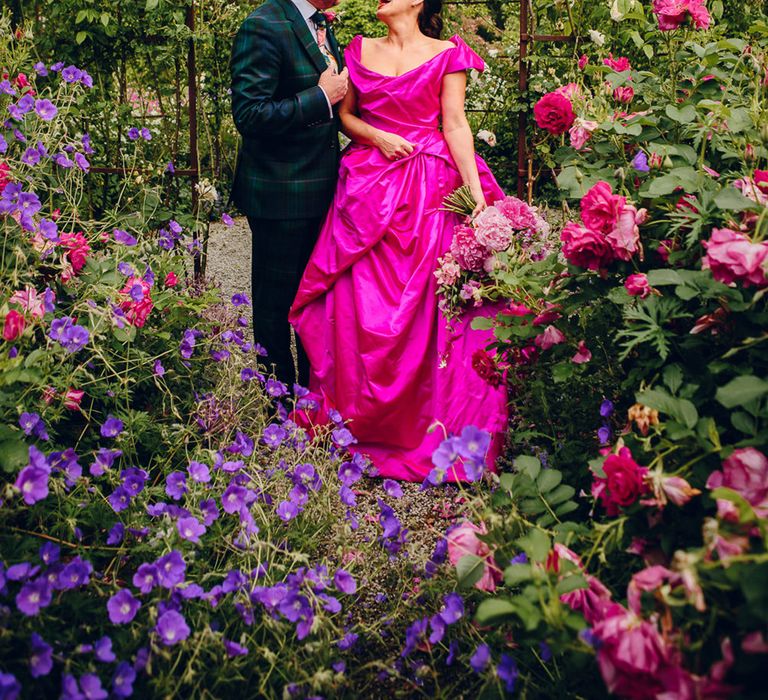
x=366 y=310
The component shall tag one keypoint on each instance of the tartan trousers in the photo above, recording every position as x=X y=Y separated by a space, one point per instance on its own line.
x=281 y=250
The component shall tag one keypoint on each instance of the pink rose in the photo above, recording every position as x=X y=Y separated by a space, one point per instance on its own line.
x=554 y=112
x=5 y=176
x=580 y=132
x=30 y=301
x=72 y=399
x=623 y=483
x=550 y=314
x=600 y=207
x=625 y=236
x=678 y=490
x=448 y=272
x=462 y=541
x=138 y=302
x=77 y=247
x=585 y=248
x=746 y=472
x=637 y=285
x=754 y=643
x=673 y=13
x=582 y=355
x=550 y=337
x=14 y=325
x=619 y=64
x=732 y=257
x=583 y=60
x=516 y=309
x=753 y=189
x=171 y=280
x=519 y=214
x=649 y=579
x=624 y=94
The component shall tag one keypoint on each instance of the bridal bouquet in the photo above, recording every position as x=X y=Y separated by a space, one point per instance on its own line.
x=507 y=233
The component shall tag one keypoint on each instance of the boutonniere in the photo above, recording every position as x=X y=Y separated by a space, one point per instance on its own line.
x=330 y=17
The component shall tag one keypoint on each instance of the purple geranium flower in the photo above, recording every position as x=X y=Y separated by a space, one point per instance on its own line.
x=640 y=162
x=10 y=688
x=104 y=459
x=274 y=435
x=49 y=553
x=480 y=658
x=71 y=74
x=190 y=529
x=606 y=408
x=507 y=671
x=172 y=628
x=133 y=133
x=342 y=437
x=116 y=534
x=226 y=219
x=604 y=434
x=344 y=582
x=102 y=650
x=124 y=237
x=119 y=499
x=146 y=577
x=82 y=162
x=287 y=510
x=392 y=488
x=170 y=569
x=112 y=427
x=199 y=472
x=122 y=681
x=176 y=485
x=122 y=607
x=234 y=649
x=75 y=574
x=133 y=480
x=34 y=596
x=90 y=685
x=32 y=481
x=158 y=369
x=41 y=659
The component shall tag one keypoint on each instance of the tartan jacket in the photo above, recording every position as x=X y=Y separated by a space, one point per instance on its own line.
x=288 y=161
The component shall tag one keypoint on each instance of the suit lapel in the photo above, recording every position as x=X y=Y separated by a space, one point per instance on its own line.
x=337 y=54
x=301 y=30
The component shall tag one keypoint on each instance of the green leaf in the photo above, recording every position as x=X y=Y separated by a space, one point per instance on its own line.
x=659 y=278
x=567 y=507
x=493 y=611
x=673 y=377
x=684 y=115
x=548 y=479
x=14 y=454
x=528 y=465
x=516 y=573
x=535 y=544
x=560 y=494
x=80 y=37
x=741 y=391
x=469 y=570
x=482 y=323
x=570 y=583
x=730 y=199
x=681 y=410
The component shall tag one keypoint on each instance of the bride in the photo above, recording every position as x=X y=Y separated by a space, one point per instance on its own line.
x=366 y=309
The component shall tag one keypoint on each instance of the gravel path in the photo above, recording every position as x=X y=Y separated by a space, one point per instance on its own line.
x=229 y=257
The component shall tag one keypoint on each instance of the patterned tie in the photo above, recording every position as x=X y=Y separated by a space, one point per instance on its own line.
x=321 y=27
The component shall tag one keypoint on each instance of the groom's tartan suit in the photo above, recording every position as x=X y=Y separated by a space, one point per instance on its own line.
x=288 y=161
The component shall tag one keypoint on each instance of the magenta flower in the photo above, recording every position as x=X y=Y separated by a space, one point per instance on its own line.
x=172 y=628
x=122 y=607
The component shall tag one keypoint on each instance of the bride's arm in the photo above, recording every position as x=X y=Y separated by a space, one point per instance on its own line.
x=391 y=145
x=459 y=136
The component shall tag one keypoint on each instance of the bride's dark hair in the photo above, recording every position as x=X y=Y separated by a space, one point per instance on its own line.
x=430 y=21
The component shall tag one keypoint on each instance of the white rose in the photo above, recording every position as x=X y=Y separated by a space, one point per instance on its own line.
x=487 y=137
x=597 y=37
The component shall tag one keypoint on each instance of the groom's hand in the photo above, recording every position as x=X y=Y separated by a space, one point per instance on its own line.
x=334 y=84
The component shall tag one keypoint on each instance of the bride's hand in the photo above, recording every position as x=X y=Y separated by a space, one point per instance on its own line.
x=393 y=146
x=479 y=198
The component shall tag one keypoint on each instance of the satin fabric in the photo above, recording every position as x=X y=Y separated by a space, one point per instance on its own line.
x=366 y=309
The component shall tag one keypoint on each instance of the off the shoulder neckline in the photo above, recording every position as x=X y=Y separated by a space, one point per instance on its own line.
x=359 y=39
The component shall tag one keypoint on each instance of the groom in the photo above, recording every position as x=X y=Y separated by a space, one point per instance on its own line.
x=287 y=75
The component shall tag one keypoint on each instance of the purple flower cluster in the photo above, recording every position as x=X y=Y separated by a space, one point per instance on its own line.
x=416 y=634
x=33 y=424
x=32 y=480
x=393 y=534
x=15 y=202
x=469 y=450
x=68 y=334
x=134 y=133
x=604 y=432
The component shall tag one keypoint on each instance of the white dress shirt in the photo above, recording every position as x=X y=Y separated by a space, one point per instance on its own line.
x=307 y=9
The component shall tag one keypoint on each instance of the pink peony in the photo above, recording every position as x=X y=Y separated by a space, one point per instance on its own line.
x=554 y=113
x=637 y=285
x=673 y=13
x=550 y=337
x=585 y=248
x=14 y=325
x=624 y=238
x=732 y=257
x=466 y=250
x=463 y=540
x=519 y=214
x=493 y=229
x=746 y=472
x=600 y=207
x=623 y=483
x=582 y=355
x=77 y=247
x=580 y=132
